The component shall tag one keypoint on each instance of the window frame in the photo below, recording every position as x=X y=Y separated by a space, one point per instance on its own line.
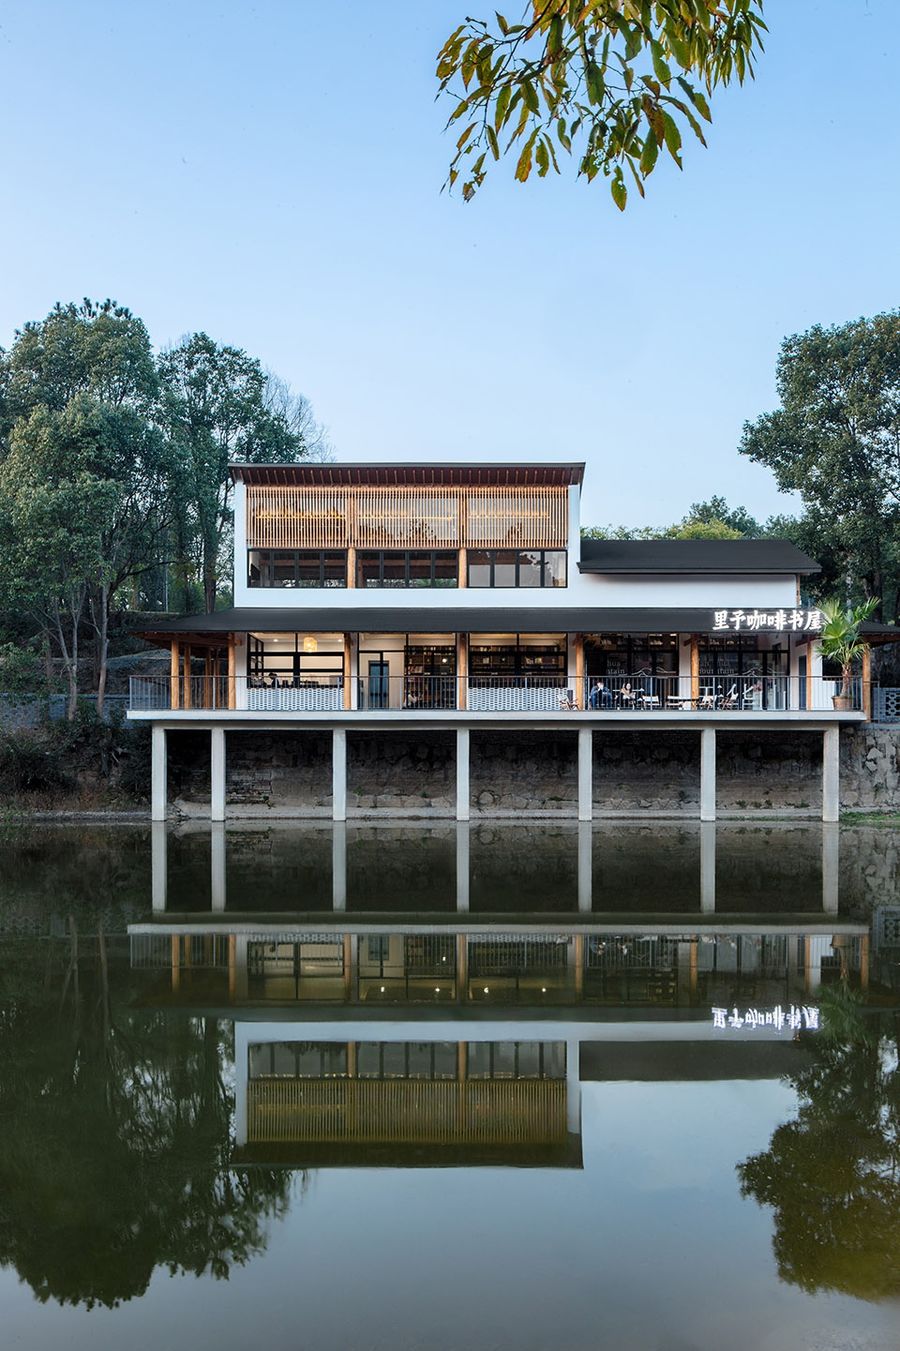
x=364 y=556
x=294 y=555
x=488 y=558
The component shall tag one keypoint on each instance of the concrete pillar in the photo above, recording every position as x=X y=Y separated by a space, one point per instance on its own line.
x=217 y=866
x=159 y=870
x=462 y=867
x=831 y=750
x=708 y=774
x=217 y=773
x=707 y=867
x=831 y=866
x=339 y=774
x=158 y=792
x=573 y=1089
x=585 y=774
x=339 y=866
x=585 y=867
x=462 y=773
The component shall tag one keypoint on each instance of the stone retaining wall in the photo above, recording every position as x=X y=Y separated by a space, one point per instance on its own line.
x=636 y=773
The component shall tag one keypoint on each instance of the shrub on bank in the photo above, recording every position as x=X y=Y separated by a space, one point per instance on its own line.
x=63 y=760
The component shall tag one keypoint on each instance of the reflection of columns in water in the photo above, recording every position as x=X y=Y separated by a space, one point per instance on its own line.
x=237 y=967
x=218 y=882
x=241 y=1081
x=707 y=867
x=462 y=865
x=339 y=865
x=573 y=1089
x=585 y=867
x=159 y=861
x=462 y=968
x=831 y=860
x=817 y=946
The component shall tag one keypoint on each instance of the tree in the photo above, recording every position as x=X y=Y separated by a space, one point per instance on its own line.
x=832 y=1175
x=297 y=413
x=835 y=439
x=217 y=409
x=716 y=510
x=79 y=395
x=612 y=83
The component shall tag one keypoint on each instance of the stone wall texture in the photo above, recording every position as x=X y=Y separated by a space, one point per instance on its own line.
x=636 y=773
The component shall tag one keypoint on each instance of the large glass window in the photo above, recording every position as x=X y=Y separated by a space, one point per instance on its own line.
x=406 y=568
x=296 y=567
x=517 y=567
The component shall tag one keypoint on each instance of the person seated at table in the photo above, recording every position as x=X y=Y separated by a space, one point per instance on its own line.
x=600 y=696
x=274 y=683
x=626 y=693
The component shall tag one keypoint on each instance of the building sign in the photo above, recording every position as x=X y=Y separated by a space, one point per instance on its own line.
x=802 y=1018
x=768 y=621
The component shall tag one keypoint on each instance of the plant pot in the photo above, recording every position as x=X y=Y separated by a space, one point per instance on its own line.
x=842 y=703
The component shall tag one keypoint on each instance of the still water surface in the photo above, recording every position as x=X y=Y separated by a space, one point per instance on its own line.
x=465 y=1087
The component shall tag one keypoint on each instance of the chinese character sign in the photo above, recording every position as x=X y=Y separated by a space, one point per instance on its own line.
x=796 y=1018
x=769 y=621
x=778 y=621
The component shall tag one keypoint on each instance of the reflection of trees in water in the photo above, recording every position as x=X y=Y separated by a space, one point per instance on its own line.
x=117 y=1133
x=833 y=1174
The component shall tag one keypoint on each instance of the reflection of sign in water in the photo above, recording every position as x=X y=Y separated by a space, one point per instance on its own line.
x=775 y=621
x=795 y=1019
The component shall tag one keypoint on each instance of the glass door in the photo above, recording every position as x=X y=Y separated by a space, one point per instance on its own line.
x=379 y=684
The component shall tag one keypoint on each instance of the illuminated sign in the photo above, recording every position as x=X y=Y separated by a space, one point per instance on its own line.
x=804 y=1018
x=769 y=621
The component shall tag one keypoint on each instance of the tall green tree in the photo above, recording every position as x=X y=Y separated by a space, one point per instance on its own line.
x=79 y=405
x=832 y=1174
x=217 y=410
x=614 y=84
x=835 y=439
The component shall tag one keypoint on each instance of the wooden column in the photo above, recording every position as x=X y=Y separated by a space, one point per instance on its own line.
x=864 y=963
x=348 y=653
x=580 y=699
x=867 y=682
x=232 y=966
x=351 y=566
x=462 y=670
x=174 y=676
x=462 y=574
x=232 y=672
x=347 y=965
x=175 y=943
x=695 y=666
x=187 y=702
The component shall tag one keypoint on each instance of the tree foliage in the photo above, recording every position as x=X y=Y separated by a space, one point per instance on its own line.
x=832 y=1175
x=217 y=410
x=835 y=439
x=613 y=83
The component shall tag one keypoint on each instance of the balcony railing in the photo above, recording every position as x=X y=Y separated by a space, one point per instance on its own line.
x=606 y=697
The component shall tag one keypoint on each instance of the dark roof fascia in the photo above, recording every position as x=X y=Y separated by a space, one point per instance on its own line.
x=571 y=471
x=695 y=557
x=353 y=619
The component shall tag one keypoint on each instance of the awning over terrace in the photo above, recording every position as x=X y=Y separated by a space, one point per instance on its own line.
x=556 y=619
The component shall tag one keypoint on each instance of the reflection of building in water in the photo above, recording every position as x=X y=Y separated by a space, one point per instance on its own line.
x=272 y=964
x=421 y=1101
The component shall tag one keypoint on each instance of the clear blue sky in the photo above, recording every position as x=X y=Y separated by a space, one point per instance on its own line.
x=270 y=172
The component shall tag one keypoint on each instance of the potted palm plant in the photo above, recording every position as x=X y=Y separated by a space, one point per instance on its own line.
x=842 y=642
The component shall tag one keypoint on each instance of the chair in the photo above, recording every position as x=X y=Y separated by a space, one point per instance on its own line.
x=731 y=698
x=566 y=701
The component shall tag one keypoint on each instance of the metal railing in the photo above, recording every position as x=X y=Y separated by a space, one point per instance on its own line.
x=377 y=691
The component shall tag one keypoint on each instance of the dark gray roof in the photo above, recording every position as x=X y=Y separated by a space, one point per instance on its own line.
x=350 y=618
x=723 y=556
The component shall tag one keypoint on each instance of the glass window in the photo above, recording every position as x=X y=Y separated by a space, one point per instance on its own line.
x=368 y=569
x=479 y=567
x=309 y=570
x=421 y=567
x=530 y=569
x=283 y=573
x=555 y=567
x=393 y=570
x=517 y=567
x=334 y=570
x=289 y=567
x=504 y=567
x=446 y=569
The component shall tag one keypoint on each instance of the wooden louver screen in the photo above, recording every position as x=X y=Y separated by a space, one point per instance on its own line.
x=297 y=517
x=507 y=1112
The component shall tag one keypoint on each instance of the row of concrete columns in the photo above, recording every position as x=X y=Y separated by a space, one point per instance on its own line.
x=585 y=846
x=830 y=774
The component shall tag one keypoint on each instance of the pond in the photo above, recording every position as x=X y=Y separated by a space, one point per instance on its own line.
x=353 y=1088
